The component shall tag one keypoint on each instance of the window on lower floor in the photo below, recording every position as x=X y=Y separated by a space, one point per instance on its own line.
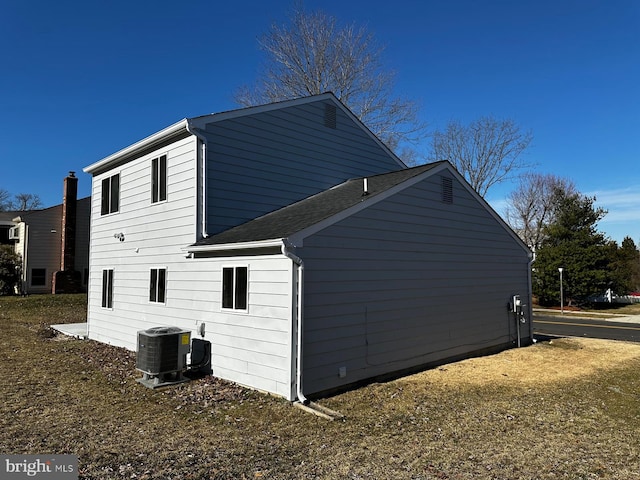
x=38 y=277
x=107 y=288
x=157 y=285
x=235 y=289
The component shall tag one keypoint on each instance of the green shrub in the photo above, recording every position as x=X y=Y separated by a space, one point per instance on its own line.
x=10 y=263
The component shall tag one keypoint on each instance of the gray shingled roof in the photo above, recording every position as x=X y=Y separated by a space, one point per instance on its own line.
x=296 y=217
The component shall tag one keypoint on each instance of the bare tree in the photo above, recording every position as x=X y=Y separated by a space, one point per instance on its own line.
x=5 y=200
x=26 y=201
x=486 y=152
x=531 y=206
x=312 y=54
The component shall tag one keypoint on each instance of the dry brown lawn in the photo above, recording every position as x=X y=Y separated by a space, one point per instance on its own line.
x=566 y=409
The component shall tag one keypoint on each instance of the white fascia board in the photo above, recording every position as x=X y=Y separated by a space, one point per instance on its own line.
x=142 y=144
x=297 y=239
x=275 y=242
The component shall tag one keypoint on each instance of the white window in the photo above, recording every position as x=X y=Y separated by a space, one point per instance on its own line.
x=157 y=285
x=110 y=194
x=235 y=282
x=159 y=179
x=107 y=288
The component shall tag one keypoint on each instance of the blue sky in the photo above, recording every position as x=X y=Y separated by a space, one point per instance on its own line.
x=81 y=80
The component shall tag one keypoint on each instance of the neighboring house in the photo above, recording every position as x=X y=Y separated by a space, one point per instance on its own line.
x=53 y=243
x=314 y=258
x=7 y=235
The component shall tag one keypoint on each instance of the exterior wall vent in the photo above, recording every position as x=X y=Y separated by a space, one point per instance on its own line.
x=330 y=114
x=447 y=190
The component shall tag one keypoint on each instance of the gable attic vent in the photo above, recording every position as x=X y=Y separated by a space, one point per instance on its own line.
x=330 y=115
x=447 y=190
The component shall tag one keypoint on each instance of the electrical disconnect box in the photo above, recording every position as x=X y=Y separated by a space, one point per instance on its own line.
x=518 y=308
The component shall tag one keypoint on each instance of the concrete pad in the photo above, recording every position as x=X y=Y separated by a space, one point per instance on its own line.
x=77 y=330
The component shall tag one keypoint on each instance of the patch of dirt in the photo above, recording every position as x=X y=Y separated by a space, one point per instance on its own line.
x=573 y=358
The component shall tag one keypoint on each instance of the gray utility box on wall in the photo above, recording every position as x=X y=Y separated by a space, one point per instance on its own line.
x=162 y=355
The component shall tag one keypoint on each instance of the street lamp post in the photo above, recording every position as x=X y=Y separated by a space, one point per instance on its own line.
x=561 y=293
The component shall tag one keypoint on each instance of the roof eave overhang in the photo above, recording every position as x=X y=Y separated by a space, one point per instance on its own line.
x=144 y=144
x=221 y=247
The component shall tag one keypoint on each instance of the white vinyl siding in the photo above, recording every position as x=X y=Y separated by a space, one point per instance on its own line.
x=154 y=235
x=252 y=348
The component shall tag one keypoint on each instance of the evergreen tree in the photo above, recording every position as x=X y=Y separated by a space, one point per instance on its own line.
x=627 y=267
x=572 y=242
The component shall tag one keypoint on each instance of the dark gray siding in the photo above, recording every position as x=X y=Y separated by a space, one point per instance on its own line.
x=408 y=281
x=259 y=163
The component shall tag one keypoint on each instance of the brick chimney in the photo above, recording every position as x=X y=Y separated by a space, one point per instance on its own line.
x=67 y=280
x=69 y=207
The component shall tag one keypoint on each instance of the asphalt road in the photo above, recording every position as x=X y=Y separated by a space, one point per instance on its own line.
x=556 y=325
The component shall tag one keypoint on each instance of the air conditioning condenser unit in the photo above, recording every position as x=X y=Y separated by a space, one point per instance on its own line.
x=162 y=355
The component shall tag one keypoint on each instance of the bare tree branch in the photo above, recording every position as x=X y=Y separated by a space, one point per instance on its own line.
x=531 y=205
x=486 y=152
x=312 y=54
x=26 y=201
x=5 y=200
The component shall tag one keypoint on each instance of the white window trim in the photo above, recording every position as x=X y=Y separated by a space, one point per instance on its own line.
x=234 y=266
x=102 y=286
x=166 y=282
x=111 y=173
x=156 y=156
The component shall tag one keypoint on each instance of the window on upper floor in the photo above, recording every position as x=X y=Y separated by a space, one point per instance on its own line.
x=157 y=285
x=159 y=179
x=107 y=288
x=235 y=289
x=111 y=194
x=38 y=277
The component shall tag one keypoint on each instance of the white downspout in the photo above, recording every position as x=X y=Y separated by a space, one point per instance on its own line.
x=300 y=317
x=25 y=265
x=203 y=176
